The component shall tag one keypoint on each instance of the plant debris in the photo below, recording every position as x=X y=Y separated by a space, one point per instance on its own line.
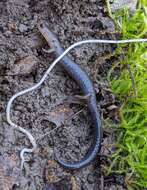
x=24 y=66
x=60 y=114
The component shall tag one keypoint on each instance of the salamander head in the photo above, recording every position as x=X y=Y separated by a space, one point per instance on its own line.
x=48 y=35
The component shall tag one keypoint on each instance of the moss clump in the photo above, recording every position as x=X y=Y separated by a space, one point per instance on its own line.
x=130 y=86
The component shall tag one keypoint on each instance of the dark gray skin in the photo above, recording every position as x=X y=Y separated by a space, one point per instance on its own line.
x=87 y=88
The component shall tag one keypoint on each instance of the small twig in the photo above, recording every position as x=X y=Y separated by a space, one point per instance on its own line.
x=132 y=79
x=102 y=182
x=43 y=136
x=38 y=139
x=6 y=75
x=109 y=9
x=75 y=114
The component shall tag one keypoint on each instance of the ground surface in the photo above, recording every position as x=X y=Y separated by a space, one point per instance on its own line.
x=22 y=64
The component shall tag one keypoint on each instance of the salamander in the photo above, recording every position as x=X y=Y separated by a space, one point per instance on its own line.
x=87 y=88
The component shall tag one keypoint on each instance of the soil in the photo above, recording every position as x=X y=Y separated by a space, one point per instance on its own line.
x=22 y=63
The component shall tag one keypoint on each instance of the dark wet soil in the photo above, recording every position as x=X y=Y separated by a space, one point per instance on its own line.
x=22 y=64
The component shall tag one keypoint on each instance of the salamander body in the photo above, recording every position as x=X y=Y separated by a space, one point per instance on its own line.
x=84 y=82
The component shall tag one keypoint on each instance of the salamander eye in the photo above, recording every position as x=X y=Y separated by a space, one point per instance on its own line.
x=41 y=24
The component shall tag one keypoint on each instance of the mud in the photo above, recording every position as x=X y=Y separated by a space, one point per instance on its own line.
x=19 y=40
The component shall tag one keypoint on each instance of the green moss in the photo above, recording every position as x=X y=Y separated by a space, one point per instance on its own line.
x=130 y=157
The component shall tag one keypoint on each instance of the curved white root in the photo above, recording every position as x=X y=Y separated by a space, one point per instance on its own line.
x=8 y=109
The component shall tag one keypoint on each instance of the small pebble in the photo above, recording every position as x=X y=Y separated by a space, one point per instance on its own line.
x=22 y=28
x=45 y=92
x=90 y=178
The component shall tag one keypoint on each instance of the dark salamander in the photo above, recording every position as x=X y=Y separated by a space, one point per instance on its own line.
x=87 y=88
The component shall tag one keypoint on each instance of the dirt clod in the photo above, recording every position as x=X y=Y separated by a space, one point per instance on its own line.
x=22 y=28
